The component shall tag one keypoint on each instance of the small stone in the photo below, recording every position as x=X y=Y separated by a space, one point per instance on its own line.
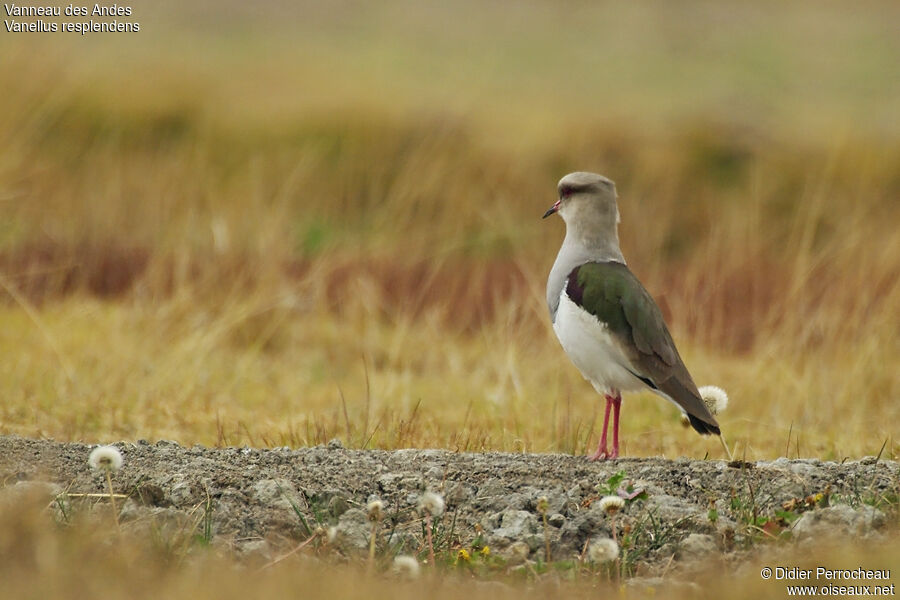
x=389 y=482
x=515 y=524
x=181 y=492
x=697 y=546
x=337 y=505
x=25 y=489
x=276 y=493
x=516 y=553
x=458 y=494
x=254 y=551
x=839 y=521
x=671 y=508
x=352 y=531
x=556 y=520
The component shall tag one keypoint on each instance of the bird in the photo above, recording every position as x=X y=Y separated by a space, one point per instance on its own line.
x=606 y=321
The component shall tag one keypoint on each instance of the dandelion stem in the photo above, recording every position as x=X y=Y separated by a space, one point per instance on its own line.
x=371 y=566
x=584 y=550
x=617 y=565
x=612 y=524
x=428 y=536
x=546 y=539
x=112 y=501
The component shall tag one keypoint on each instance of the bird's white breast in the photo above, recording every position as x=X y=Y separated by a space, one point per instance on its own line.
x=592 y=348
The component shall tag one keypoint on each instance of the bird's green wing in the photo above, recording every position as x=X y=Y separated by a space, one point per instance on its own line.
x=610 y=292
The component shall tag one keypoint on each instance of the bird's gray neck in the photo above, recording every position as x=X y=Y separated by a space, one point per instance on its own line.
x=577 y=249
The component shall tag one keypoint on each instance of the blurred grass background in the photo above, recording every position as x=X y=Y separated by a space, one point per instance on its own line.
x=280 y=223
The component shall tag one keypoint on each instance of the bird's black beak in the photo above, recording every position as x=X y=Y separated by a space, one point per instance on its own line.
x=551 y=210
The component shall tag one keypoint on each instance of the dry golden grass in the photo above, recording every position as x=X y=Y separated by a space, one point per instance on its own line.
x=400 y=303
x=244 y=249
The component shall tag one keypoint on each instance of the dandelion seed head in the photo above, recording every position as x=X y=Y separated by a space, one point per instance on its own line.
x=107 y=458
x=543 y=504
x=375 y=509
x=611 y=504
x=432 y=503
x=603 y=550
x=406 y=566
x=715 y=398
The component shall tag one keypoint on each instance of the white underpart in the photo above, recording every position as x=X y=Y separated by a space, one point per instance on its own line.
x=593 y=349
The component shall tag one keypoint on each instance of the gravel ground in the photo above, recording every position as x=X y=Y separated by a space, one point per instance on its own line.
x=678 y=512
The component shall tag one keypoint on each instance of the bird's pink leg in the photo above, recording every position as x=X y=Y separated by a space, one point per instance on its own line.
x=617 y=404
x=602 y=453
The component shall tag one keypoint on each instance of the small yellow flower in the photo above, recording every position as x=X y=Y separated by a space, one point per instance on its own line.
x=463 y=555
x=485 y=551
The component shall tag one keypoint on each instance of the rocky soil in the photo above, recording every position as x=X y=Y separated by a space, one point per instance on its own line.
x=260 y=503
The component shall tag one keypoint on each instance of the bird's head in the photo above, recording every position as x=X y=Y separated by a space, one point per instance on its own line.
x=586 y=197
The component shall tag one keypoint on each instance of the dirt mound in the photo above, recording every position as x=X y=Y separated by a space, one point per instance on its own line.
x=260 y=502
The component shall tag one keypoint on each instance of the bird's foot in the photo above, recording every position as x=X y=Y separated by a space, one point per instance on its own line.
x=600 y=454
x=603 y=453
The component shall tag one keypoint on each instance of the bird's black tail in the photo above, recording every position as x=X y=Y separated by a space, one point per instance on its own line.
x=702 y=427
